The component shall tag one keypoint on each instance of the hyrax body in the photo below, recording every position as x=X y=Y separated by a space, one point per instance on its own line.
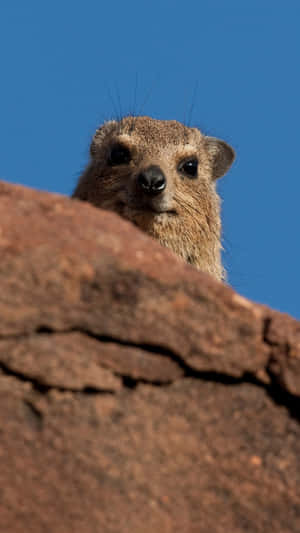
x=161 y=176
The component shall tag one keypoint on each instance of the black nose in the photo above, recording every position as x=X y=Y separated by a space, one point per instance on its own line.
x=152 y=181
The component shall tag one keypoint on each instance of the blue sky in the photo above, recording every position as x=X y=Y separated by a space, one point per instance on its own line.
x=67 y=66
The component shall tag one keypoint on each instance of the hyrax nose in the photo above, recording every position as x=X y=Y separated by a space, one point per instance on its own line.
x=152 y=181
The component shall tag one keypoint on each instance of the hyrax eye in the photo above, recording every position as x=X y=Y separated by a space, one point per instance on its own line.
x=119 y=155
x=189 y=167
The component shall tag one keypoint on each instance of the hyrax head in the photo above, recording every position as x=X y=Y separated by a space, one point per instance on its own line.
x=161 y=176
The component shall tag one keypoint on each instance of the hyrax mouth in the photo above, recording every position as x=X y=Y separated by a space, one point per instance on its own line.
x=146 y=210
x=154 y=211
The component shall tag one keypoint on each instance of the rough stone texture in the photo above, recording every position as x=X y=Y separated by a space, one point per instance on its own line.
x=136 y=394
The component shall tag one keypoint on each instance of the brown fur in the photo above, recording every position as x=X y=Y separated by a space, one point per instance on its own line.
x=186 y=216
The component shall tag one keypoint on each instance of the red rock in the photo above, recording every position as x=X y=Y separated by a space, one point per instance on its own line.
x=136 y=393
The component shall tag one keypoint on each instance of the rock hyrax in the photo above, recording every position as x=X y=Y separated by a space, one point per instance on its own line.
x=161 y=175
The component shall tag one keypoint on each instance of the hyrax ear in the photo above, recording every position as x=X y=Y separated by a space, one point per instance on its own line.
x=220 y=154
x=100 y=134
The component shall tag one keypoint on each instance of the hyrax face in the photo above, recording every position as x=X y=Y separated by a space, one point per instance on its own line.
x=161 y=176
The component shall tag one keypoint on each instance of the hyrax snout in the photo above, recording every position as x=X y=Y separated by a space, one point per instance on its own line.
x=161 y=175
x=151 y=181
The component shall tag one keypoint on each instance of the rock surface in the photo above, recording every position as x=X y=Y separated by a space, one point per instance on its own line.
x=137 y=394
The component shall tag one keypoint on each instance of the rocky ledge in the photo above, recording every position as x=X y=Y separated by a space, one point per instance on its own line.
x=137 y=394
